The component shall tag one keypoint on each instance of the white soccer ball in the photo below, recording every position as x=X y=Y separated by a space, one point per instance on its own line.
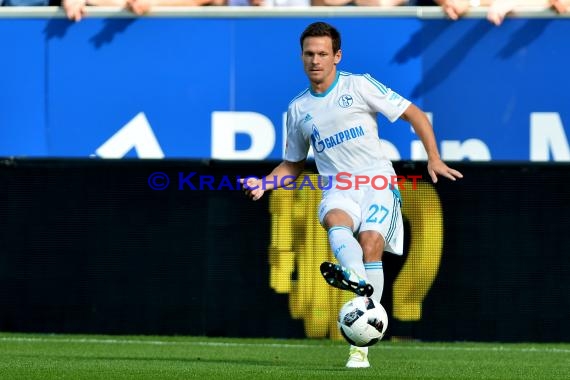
x=362 y=321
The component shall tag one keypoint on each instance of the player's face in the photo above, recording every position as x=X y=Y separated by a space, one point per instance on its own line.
x=319 y=61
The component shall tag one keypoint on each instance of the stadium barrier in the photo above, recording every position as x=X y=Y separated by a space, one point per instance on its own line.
x=194 y=82
x=93 y=246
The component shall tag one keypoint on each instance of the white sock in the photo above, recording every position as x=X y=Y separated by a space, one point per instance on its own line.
x=346 y=249
x=375 y=275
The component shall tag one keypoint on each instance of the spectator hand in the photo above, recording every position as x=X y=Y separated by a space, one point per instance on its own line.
x=139 y=7
x=455 y=8
x=74 y=9
x=560 y=6
x=499 y=9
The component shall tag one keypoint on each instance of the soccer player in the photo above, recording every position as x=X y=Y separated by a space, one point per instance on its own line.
x=336 y=115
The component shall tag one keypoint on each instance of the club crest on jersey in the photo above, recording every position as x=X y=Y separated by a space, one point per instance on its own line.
x=338 y=138
x=345 y=101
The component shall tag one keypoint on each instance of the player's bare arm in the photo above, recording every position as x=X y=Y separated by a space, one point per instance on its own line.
x=423 y=128
x=283 y=174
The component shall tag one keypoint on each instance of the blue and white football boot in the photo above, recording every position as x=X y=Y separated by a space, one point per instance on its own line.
x=343 y=278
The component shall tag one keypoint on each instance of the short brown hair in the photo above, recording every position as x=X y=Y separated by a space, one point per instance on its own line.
x=322 y=29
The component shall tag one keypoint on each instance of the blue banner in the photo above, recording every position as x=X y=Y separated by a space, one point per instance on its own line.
x=219 y=87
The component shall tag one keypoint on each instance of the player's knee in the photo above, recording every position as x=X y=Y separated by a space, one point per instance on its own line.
x=337 y=217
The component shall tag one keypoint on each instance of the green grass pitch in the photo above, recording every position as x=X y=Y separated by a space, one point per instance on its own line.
x=41 y=356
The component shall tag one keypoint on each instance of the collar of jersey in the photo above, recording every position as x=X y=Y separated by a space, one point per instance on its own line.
x=322 y=95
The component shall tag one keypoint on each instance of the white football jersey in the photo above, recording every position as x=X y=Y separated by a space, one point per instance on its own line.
x=341 y=125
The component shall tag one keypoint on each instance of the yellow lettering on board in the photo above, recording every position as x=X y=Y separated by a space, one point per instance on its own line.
x=422 y=208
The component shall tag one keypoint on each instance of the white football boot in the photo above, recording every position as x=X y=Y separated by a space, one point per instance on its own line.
x=358 y=357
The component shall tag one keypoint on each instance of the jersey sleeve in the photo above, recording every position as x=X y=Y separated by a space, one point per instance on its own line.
x=296 y=146
x=382 y=99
